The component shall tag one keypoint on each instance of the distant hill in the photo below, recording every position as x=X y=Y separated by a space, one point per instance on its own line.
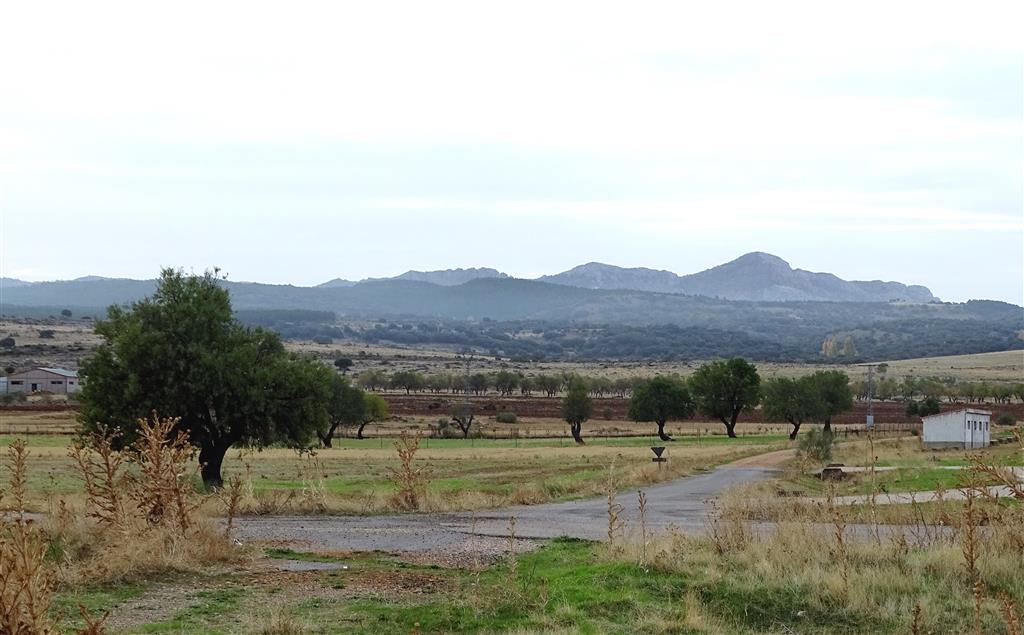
x=755 y=276
x=333 y=284
x=446 y=277
x=10 y=283
x=597 y=275
x=766 y=278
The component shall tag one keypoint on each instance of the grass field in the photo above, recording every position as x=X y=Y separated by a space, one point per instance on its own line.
x=355 y=476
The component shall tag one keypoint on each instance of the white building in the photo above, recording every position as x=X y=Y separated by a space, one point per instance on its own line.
x=56 y=380
x=967 y=428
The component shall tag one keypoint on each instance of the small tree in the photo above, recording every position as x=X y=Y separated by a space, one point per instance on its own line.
x=346 y=407
x=924 y=408
x=834 y=392
x=792 y=400
x=66 y=313
x=372 y=380
x=660 y=399
x=725 y=389
x=408 y=380
x=462 y=414
x=478 y=383
x=343 y=364
x=505 y=382
x=374 y=409
x=816 y=444
x=576 y=408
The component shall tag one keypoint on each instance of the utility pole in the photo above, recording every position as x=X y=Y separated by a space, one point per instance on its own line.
x=871 y=398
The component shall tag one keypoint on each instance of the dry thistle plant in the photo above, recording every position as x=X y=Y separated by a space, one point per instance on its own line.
x=410 y=480
x=839 y=533
x=26 y=584
x=231 y=496
x=311 y=474
x=614 y=509
x=162 y=455
x=1009 y=612
x=93 y=625
x=641 y=503
x=106 y=482
x=513 y=562
x=916 y=622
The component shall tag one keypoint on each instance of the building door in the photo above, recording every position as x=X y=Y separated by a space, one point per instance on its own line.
x=35 y=387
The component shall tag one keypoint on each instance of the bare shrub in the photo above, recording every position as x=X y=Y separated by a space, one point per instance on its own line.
x=162 y=491
x=26 y=583
x=145 y=507
x=614 y=509
x=231 y=497
x=410 y=480
x=106 y=483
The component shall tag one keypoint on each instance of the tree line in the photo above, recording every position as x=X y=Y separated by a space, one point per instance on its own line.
x=505 y=383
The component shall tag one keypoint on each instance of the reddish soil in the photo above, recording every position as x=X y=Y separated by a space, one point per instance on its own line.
x=614 y=407
x=550 y=407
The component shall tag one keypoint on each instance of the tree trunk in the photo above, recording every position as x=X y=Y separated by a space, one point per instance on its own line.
x=359 y=432
x=828 y=425
x=211 y=457
x=730 y=426
x=796 y=429
x=577 y=435
x=661 y=432
x=325 y=437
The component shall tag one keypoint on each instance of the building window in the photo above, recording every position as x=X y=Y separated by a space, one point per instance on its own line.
x=17 y=383
x=56 y=382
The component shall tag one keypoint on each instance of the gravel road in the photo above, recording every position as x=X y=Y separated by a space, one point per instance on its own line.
x=683 y=502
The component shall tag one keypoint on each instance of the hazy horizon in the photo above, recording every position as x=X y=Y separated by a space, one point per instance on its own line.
x=321 y=141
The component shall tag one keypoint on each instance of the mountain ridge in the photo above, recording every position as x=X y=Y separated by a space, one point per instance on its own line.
x=755 y=276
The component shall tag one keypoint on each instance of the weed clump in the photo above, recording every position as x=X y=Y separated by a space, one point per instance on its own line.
x=410 y=479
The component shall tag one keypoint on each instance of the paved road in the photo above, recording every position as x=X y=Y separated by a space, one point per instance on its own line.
x=683 y=502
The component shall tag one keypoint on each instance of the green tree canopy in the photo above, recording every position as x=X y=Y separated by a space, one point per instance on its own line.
x=345 y=407
x=660 y=399
x=576 y=408
x=725 y=389
x=182 y=354
x=833 y=389
x=374 y=409
x=792 y=400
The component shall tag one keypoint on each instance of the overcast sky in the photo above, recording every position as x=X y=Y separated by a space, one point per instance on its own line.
x=300 y=142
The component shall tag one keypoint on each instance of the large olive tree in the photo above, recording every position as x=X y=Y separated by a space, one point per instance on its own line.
x=181 y=353
x=576 y=408
x=659 y=399
x=725 y=389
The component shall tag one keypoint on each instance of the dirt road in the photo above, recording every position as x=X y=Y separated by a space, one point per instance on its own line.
x=684 y=502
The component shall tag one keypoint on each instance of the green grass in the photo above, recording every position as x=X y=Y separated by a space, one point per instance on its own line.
x=204 y=616
x=911 y=479
x=571 y=584
x=96 y=601
x=38 y=440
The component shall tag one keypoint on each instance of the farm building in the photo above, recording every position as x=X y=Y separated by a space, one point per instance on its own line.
x=967 y=428
x=55 y=380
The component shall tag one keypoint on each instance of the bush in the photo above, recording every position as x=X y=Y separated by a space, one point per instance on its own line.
x=816 y=444
x=929 y=406
x=7 y=342
x=47 y=334
x=1006 y=419
x=506 y=417
x=320 y=339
